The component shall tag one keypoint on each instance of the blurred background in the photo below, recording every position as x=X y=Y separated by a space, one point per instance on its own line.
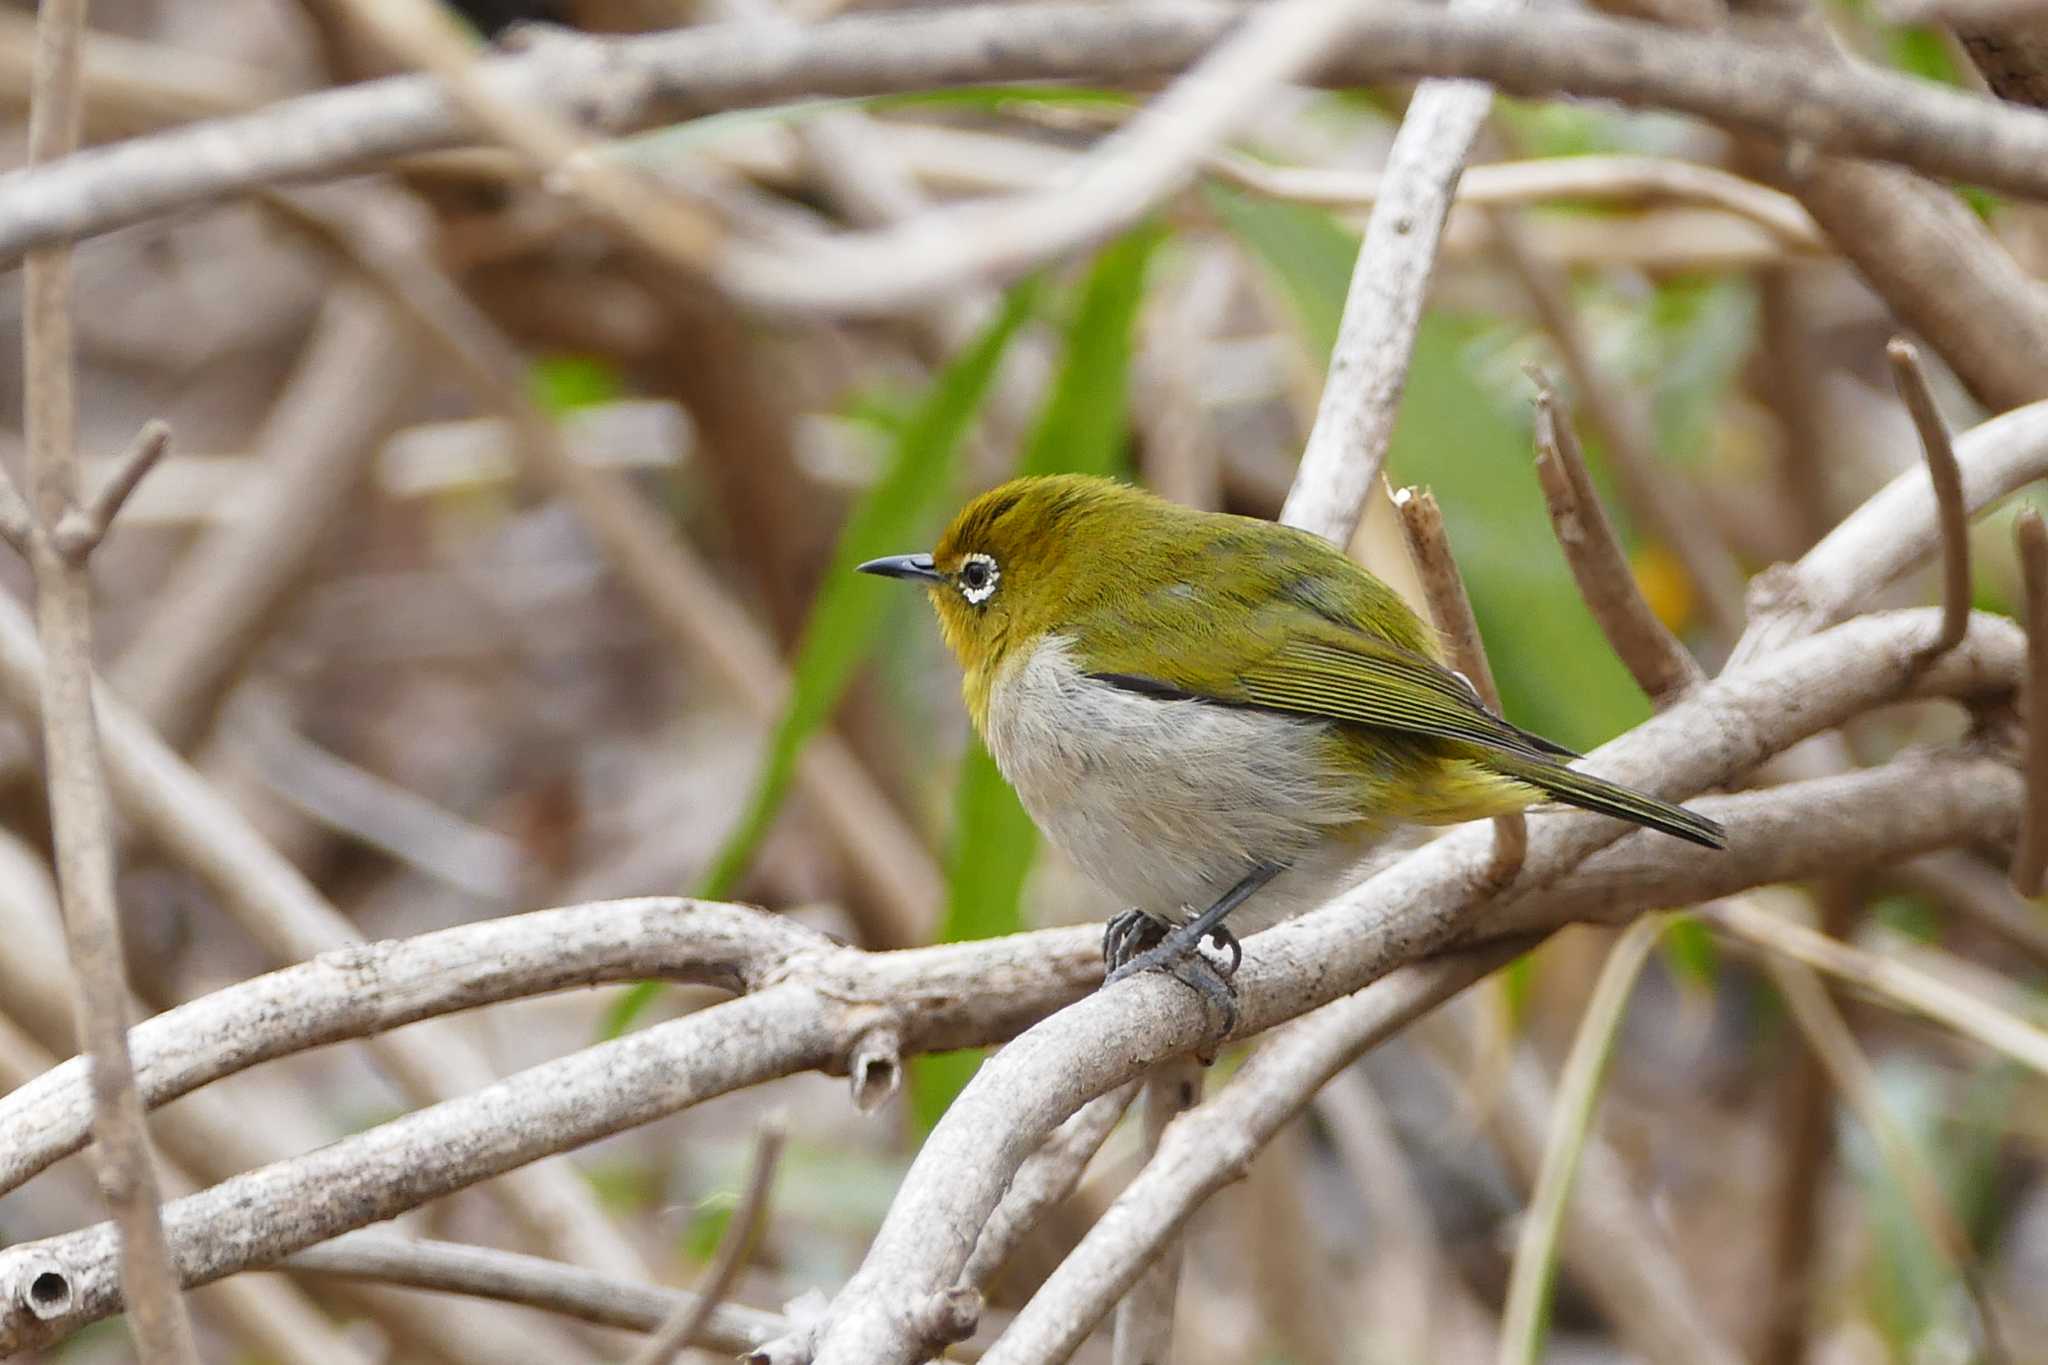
x=356 y=604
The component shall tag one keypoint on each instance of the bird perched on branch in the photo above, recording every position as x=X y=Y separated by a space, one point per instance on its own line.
x=1213 y=715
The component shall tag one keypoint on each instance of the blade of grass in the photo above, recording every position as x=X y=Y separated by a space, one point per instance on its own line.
x=1084 y=427
x=1526 y=1317
x=838 y=631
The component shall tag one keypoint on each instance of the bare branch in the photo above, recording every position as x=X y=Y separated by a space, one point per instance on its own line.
x=1947 y=480
x=77 y=785
x=81 y=529
x=1212 y=1147
x=958 y=995
x=688 y=1322
x=1047 y=1177
x=2030 y=856
x=275 y=904
x=1449 y=606
x=1144 y=1319
x=1660 y=665
x=1646 y=486
x=1526 y=1314
x=509 y=1277
x=1354 y=426
x=634 y=81
x=1893 y=530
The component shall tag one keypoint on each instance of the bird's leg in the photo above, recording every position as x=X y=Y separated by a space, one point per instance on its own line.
x=1176 y=953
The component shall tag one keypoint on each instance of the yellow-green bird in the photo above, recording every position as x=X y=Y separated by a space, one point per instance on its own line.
x=1213 y=714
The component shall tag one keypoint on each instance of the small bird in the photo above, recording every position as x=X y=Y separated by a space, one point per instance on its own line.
x=1215 y=715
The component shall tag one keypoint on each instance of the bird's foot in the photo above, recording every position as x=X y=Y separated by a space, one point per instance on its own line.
x=1127 y=935
x=1130 y=948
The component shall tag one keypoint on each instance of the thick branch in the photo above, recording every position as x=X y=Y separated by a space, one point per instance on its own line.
x=634 y=81
x=811 y=1019
x=1107 y=1038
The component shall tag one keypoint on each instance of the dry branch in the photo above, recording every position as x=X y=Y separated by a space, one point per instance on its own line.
x=815 y=1010
x=1653 y=656
x=1150 y=158
x=676 y=586
x=1354 y=426
x=634 y=81
x=1213 y=1146
x=1451 y=609
x=1144 y=1319
x=81 y=828
x=2030 y=857
x=684 y=1326
x=275 y=904
x=1647 y=487
x=1897 y=527
x=486 y=1273
x=1947 y=480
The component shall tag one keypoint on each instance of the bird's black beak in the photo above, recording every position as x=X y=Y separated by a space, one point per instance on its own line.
x=904 y=566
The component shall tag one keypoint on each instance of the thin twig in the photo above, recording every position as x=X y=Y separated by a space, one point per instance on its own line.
x=1144 y=1319
x=1947 y=478
x=2030 y=856
x=1646 y=485
x=534 y=1281
x=688 y=1322
x=1578 y=1092
x=82 y=528
x=1449 y=606
x=1354 y=426
x=1653 y=656
x=1595 y=178
x=77 y=784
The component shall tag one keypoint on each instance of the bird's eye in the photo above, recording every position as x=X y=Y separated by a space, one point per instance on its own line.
x=977 y=577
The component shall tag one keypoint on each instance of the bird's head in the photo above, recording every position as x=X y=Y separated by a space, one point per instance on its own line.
x=1023 y=560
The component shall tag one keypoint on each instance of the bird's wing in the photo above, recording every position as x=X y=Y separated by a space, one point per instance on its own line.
x=1318 y=647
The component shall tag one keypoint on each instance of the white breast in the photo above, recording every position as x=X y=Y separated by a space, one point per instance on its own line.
x=1167 y=803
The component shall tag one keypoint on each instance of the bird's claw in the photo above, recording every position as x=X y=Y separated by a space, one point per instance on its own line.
x=1134 y=942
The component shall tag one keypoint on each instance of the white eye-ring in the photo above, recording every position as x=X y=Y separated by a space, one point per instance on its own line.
x=977 y=578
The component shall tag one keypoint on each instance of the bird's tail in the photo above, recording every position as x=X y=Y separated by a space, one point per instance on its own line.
x=1587 y=792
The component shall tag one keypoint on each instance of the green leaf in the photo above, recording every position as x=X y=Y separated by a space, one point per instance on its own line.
x=839 y=628
x=1084 y=427
x=563 y=383
x=836 y=633
x=1690 y=954
x=1085 y=424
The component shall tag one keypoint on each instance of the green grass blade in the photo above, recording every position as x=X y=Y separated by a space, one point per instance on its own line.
x=1083 y=427
x=839 y=630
